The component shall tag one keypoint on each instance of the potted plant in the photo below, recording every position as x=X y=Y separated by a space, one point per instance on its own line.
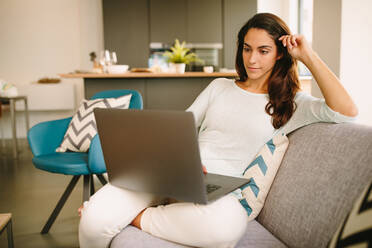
x=179 y=56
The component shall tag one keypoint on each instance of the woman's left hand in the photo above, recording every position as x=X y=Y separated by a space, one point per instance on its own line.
x=297 y=46
x=334 y=93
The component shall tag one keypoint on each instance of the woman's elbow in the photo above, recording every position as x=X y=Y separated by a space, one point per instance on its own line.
x=351 y=111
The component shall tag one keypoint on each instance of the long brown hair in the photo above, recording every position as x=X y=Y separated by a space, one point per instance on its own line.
x=283 y=83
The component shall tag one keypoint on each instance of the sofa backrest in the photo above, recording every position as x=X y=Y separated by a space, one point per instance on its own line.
x=323 y=171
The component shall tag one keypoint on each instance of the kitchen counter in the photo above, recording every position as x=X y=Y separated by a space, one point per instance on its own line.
x=151 y=75
x=171 y=91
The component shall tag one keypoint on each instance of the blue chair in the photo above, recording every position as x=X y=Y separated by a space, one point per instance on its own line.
x=45 y=137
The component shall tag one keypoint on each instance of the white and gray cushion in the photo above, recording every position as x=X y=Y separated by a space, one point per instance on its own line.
x=261 y=172
x=82 y=127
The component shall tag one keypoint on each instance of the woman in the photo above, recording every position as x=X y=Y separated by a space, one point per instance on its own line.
x=235 y=119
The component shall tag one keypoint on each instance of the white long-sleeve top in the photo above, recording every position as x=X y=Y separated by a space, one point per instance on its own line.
x=233 y=124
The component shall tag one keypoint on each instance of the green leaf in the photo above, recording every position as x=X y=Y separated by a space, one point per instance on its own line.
x=180 y=54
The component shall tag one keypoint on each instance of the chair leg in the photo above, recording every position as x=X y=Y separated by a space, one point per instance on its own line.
x=101 y=179
x=10 y=235
x=92 y=190
x=60 y=204
x=87 y=187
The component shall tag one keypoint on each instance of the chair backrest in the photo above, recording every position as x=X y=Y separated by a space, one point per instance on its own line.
x=45 y=137
x=135 y=102
x=96 y=161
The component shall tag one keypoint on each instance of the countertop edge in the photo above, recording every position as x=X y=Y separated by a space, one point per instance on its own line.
x=148 y=75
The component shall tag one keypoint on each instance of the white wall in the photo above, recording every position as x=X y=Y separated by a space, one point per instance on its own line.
x=343 y=40
x=327 y=35
x=356 y=55
x=43 y=38
x=285 y=9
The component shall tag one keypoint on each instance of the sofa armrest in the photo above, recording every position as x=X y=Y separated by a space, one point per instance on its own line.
x=45 y=137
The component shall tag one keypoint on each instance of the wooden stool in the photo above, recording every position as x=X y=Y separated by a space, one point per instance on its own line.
x=6 y=222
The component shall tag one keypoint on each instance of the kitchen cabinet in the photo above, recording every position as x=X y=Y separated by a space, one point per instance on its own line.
x=130 y=26
x=193 y=21
x=167 y=20
x=126 y=30
x=204 y=21
x=236 y=13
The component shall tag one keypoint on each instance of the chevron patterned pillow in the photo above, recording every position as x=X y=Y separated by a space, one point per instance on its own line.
x=356 y=229
x=82 y=127
x=261 y=172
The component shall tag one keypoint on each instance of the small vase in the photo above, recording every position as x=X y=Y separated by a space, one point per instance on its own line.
x=177 y=67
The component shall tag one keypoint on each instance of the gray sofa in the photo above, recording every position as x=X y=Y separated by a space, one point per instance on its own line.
x=324 y=169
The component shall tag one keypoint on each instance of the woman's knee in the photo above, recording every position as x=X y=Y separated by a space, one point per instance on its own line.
x=96 y=228
x=107 y=212
x=99 y=220
x=95 y=232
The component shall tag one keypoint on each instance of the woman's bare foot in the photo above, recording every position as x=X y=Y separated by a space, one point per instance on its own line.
x=80 y=209
x=137 y=221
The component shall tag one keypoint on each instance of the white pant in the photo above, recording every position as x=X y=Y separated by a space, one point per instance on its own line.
x=218 y=224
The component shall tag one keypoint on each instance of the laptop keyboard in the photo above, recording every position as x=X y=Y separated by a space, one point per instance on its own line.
x=212 y=187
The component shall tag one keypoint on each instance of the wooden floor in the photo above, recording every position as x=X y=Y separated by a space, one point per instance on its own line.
x=30 y=195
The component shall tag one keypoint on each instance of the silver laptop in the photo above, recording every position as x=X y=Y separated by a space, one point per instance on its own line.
x=157 y=152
